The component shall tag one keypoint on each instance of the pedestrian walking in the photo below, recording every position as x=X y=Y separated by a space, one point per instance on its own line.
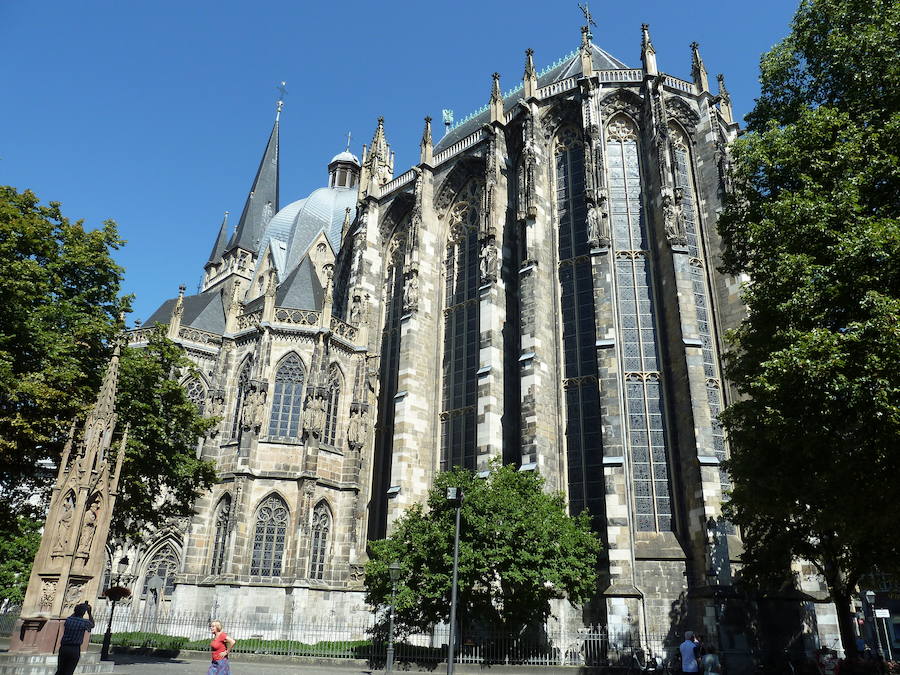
x=710 y=661
x=74 y=629
x=221 y=645
x=690 y=653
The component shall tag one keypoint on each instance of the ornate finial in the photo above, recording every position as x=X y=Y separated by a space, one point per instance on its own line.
x=586 y=10
x=349 y=136
x=426 y=146
x=725 y=100
x=495 y=90
x=181 y=289
x=282 y=91
x=648 y=53
x=496 y=104
x=698 y=69
x=529 y=63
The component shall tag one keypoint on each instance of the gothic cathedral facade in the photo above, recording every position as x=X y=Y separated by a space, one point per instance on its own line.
x=540 y=288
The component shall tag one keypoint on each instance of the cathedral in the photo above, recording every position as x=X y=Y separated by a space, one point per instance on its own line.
x=540 y=288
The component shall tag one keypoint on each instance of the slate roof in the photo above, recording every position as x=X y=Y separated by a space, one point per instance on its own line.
x=249 y=232
x=601 y=59
x=203 y=311
x=301 y=289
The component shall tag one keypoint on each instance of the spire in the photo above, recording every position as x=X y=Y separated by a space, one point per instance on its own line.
x=220 y=243
x=725 y=100
x=105 y=407
x=378 y=162
x=280 y=105
x=648 y=53
x=698 y=70
x=426 y=146
x=529 y=79
x=496 y=105
x=262 y=202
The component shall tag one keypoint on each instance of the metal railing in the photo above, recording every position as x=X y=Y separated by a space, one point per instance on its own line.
x=364 y=639
x=8 y=622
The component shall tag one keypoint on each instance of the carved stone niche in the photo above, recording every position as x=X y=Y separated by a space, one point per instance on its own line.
x=358 y=427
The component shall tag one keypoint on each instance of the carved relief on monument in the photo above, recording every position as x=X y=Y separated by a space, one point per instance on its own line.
x=74 y=595
x=47 y=595
x=64 y=524
x=89 y=526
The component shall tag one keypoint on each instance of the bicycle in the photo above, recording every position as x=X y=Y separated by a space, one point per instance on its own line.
x=641 y=662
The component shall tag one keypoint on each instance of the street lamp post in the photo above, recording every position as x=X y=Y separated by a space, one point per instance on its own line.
x=394 y=570
x=113 y=595
x=876 y=636
x=454 y=496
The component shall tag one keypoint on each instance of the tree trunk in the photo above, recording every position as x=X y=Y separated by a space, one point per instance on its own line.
x=840 y=594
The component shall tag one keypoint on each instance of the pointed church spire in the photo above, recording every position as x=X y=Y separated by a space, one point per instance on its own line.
x=529 y=79
x=105 y=407
x=262 y=202
x=426 y=146
x=496 y=104
x=698 y=70
x=378 y=162
x=725 y=100
x=648 y=53
x=220 y=243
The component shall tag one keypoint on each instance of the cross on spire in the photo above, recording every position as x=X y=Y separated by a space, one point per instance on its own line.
x=586 y=10
x=282 y=90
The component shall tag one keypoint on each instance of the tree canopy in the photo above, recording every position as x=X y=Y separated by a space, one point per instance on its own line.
x=814 y=223
x=518 y=550
x=59 y=290
x=162 y=474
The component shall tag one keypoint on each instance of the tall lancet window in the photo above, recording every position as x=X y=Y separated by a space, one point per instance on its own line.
x=220 y=542
x=321 y=527
x=163 y=565
x=684 y=181
x=269 y=538
x=287 y=398
x=648 y=453
x=243 y=384
x=461 y=338
x=332 y=405
x=394 y=258
x=584 y=445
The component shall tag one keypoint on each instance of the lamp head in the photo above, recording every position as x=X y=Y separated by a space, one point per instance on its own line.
x=394 y=571
x=122 y=565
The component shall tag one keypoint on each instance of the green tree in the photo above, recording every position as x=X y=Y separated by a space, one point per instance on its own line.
x=17 y=550
x=59 y=290
x=518 y=550
x=161 y=474
x=813 y=222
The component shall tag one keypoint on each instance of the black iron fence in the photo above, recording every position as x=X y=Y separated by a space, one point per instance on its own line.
x=550 y=646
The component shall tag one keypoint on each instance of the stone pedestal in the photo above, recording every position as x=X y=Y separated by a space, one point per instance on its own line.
x=24 y=663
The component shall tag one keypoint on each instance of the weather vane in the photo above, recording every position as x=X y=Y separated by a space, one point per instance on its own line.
x=282 y=90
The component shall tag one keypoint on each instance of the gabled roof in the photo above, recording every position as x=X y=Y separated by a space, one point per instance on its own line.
x=570 y=67
x=301 y=289
x=203 y=311
x=221 y=241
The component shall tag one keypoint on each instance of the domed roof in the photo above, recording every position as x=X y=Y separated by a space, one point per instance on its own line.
x=345 y=156
x=298 y=223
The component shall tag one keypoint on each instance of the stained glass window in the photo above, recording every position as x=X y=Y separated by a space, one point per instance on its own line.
x=243 y=384
x=332 y=407
x=321 y=527
x=461 y=337
x=269 y=538
x=287 y=398
x=220 y=543
x=163 y=564
x=644 y=404
x=389 y=366
x=584 y=445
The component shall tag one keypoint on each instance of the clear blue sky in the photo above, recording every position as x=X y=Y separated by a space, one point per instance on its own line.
x=155 y=113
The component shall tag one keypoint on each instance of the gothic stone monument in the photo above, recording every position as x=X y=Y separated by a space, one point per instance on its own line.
x=70 y=561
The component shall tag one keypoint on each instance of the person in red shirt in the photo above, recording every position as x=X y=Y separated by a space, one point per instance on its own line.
x=221 y=645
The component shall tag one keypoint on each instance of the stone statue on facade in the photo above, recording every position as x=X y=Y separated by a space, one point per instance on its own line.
x=356 y=430
x=356 y=310
x=61 y=540
x=315 y=415
x=411 y=292
x=488 y=262
x=673 y=220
